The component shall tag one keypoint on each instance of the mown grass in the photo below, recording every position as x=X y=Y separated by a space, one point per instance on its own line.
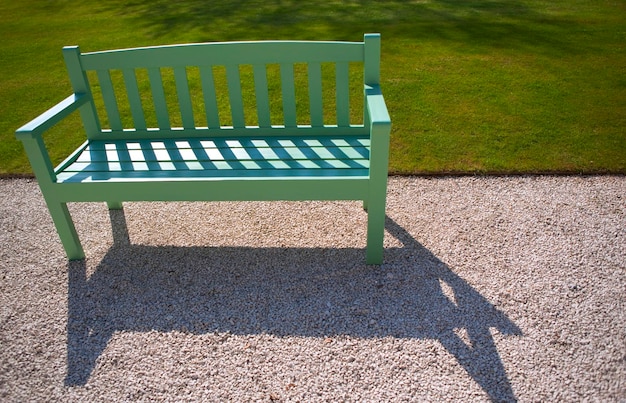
x=473 y=86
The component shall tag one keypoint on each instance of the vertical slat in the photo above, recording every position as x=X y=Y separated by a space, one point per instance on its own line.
x=184 y=97
x=342 y=89
x=262 y=95
x=315 y=94
x=210 y=97
x=110 y=102
x=134 y=99
x=234 y=95
x=158 y=97
x=288 y=94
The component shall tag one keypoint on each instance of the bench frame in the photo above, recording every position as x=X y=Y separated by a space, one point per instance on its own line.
x=370 y=187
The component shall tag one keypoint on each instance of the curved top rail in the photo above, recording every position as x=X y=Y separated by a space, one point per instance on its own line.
x=257 y=52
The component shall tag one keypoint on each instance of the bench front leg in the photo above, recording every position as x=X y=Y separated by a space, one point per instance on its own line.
x=379 y=123
x=66 y=230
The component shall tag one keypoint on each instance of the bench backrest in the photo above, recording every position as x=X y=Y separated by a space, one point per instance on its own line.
x=224 y=88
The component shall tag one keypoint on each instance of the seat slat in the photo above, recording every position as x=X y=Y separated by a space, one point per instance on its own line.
x=270 y=164
x=228 y=154
x=216 y=142
x=104 y=176
x=211 y=152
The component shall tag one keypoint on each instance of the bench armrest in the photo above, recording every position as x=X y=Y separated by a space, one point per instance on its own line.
x=31 y=136
x=52 y=116
x=379 y=123
x=375 y=107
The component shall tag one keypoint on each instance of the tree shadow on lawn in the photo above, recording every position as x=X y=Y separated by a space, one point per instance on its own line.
x=305 y=292
x=477 y=23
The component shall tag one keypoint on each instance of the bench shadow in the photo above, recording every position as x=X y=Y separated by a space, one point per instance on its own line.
x=308 y=292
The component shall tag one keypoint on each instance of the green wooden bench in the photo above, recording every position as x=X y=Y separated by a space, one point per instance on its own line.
x=126 y=157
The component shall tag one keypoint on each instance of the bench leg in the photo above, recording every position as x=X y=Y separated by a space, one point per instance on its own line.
x=66 y=230
x=375 y=231
x=114 y=205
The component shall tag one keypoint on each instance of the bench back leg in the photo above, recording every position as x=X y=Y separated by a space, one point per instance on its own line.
x=113 y=205
x=66 y=230
x=375 y=230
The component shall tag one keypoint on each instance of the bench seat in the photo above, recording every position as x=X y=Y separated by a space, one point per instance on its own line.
x=218 y=157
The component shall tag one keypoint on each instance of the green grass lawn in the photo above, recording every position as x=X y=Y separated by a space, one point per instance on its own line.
x=473 y=86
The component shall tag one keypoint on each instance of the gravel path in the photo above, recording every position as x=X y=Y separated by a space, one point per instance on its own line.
x=492 y=289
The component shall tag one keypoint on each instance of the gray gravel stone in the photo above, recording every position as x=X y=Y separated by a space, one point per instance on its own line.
x=498 y=289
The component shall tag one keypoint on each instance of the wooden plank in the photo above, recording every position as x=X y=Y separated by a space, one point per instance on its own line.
x=233 y=79
x=288 y=94
x=158 y=98
x=184 y=97
x=134 y=99
x=348 y=142
x=318 y=155
x=226 y=163
x=256 y=142
x=224 y=153
x=342 y=93
x=110 y=102
x=235 y=53
x=229 y=131
x=210 y=97
x=220 y=189
x=227 y=154
x=315 y=94
x=262 y=95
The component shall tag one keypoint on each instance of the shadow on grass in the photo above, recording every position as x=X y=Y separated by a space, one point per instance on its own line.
x=476 y=23
x=305 y=292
